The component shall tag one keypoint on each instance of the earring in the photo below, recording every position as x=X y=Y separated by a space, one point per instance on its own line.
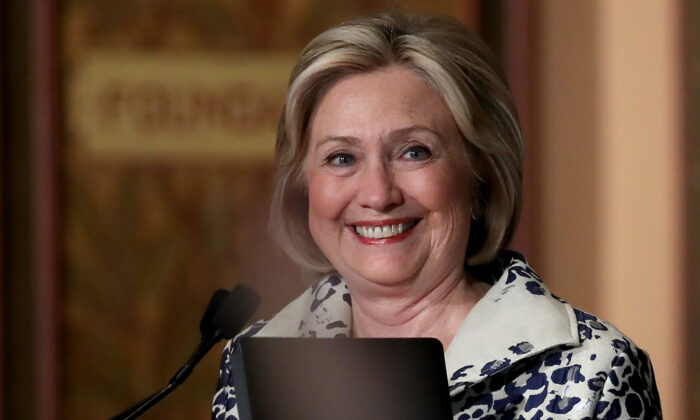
x=476 y=211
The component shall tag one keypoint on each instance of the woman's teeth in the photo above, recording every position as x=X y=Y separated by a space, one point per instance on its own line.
x=386 y=231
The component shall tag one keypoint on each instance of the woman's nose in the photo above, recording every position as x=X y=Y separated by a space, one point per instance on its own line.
x=378 y=189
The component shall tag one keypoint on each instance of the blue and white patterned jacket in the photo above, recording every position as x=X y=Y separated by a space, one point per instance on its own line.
x=521 y=353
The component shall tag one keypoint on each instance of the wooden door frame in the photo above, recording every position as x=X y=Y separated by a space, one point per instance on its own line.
x=46 y=134
x=29 y=218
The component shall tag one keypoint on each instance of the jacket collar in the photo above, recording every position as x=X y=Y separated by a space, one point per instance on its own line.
x=517 y=318
x=323 y=311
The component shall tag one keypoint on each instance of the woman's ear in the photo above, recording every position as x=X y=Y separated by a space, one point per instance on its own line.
x=477 y=202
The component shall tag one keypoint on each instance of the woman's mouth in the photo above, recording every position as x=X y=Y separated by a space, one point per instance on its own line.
x=385 y=231
x=372 y=232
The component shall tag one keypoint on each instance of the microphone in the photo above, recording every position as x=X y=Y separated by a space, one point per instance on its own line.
x=226 y=314
x=206 y=325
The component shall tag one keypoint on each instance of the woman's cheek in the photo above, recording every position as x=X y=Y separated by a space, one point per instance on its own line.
x=438 y=188
x=326 y=201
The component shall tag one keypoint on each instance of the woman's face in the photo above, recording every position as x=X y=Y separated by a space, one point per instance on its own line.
x=388 y=179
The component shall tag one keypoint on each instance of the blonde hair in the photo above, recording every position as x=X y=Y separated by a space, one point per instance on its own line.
x=460 y=68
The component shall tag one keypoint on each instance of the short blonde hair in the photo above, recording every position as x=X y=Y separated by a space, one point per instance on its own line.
x=464 y=73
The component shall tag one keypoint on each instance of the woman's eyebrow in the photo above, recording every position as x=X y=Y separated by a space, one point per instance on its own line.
x=403 y=132
x=341 y=139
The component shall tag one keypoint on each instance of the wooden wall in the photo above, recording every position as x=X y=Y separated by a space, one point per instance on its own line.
x=692 y=89
x=117 y=224
x=613 y=142
x=111 y=248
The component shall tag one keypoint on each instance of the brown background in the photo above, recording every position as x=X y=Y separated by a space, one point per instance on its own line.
x=108 y=261
x=145 y=243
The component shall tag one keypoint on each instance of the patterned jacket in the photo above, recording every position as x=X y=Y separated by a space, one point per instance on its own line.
x=521 y=353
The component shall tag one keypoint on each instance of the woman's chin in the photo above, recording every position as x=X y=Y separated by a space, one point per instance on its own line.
x=386 y=275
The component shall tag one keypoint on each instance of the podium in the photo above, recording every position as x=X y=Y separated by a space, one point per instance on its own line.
x=340 y=379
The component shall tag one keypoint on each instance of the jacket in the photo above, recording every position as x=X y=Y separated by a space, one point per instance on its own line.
x=521 y=353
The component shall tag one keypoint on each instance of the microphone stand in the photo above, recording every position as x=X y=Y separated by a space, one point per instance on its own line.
x=139 y=408
x=225 y=316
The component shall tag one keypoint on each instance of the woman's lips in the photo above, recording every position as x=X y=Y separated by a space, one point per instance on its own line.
x=383 y=232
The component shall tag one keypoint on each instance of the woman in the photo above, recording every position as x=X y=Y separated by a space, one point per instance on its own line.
x=399 y=159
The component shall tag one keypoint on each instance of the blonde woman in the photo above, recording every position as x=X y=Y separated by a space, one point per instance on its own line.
x=399 y=158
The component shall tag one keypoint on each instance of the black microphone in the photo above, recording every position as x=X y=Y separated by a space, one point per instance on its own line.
x=226 y=314
x=206 y=325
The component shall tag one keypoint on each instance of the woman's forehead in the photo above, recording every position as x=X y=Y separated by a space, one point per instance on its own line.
x=385 y=100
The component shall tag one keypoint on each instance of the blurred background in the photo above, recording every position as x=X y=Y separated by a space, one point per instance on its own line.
x=136 y=145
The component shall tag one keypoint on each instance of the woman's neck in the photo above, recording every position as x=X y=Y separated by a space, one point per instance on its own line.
x=437 y=312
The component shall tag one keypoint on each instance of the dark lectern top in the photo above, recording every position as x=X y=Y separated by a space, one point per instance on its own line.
x=341 y=379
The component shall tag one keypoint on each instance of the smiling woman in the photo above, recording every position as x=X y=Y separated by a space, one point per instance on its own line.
x=399 y=160
x=406 y=170
x=408 y=167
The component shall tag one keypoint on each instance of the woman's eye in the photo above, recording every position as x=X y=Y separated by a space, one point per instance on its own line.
x=341 y=159
x=417 y=153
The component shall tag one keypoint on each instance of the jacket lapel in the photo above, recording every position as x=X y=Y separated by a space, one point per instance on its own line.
x=323 y=311
x=516 y=319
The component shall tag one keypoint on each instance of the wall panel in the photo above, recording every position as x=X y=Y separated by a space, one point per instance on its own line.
x=170 y=113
